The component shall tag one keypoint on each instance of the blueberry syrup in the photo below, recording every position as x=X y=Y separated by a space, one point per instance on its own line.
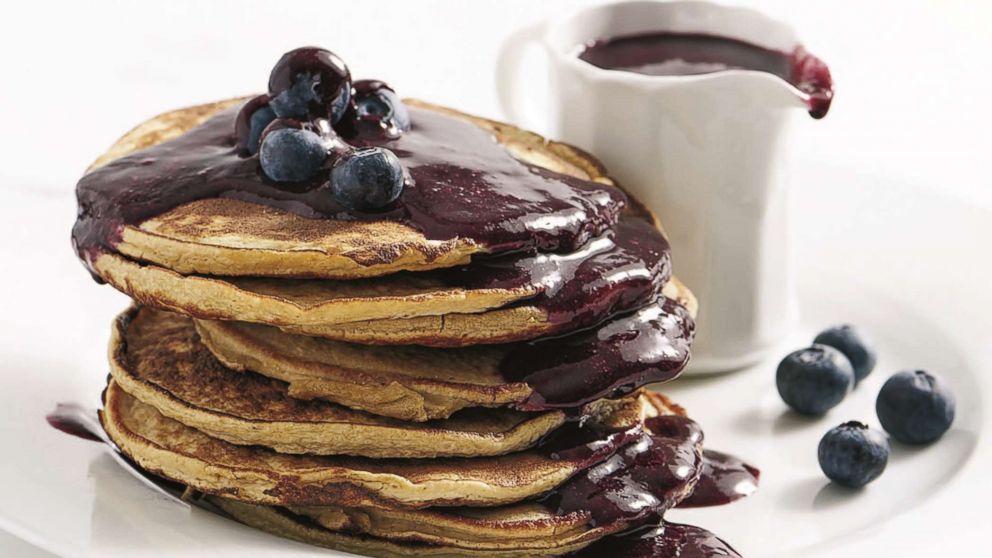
x=667 y=540
x=65 y=418
x=724 y=479
x=645 y=473
x=610 y=286
x=463 y=185
x=638 y=482
x=646 y=346
x=619 y=271
x=678 y=54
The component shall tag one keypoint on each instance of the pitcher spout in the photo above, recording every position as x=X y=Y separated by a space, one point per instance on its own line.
x=811 y=78
x=802 y=81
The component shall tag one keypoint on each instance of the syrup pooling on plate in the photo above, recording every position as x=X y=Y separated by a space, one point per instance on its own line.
x=648 y=345
x=678 y=54
x=65 y=418
x=724 y=479
x=464 y=185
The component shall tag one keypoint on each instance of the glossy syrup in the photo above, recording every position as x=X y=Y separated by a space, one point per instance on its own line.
x=678 y=54
x=618 y=271
x=634 y=476
x=609 y=286
x=638 y=482
x=646 y=346
x=464 y=185
x=724 y=479
x=667 y=540
x=65 y=418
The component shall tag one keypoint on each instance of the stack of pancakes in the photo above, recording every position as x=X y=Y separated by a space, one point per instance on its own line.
x=328 y=381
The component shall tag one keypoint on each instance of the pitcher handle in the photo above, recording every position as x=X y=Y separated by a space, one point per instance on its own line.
x=511 y=54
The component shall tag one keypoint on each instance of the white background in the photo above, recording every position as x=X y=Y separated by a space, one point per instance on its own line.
x=914 y=90
x=913 y=77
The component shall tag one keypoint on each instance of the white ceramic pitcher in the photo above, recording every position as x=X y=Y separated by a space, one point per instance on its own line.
x=705 y=152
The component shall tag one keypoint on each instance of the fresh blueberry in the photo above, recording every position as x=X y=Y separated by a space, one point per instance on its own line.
x=291 y=155
x=310 y=83
x=367 y=179
x=852 y=454
x=252 y=119
x=815 y=379
x=850 y=341
x=257 y=122
x=377 y=107
x=295 y=101
x=915 y=407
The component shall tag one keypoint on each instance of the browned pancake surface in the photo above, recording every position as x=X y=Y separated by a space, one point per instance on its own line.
x=406 y=382
x=157 y=357
x=283 y=523
x=259 y=475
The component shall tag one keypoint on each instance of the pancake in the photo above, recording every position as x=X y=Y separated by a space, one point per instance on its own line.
x=287 y=301
x=156 y=357
x=503 y=325
x=632 y=488
x=613 y=273
x=527 y=526
x=452 y=318
x=281 y=522
x=227 y=237
x=406 y=382
x=259 y=475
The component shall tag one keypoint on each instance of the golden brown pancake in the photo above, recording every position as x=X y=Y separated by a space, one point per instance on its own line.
x=502 y=325
x=227 y=237
x=259 y=475
x=283 y=523
x=296 y=301
x=156 y=357
x=314 y=307
x=527 y=526
x=406 y=382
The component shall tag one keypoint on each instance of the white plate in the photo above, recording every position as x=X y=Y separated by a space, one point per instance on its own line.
x=906 y=265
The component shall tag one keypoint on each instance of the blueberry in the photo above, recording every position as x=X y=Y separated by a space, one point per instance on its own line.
x=915 y=407
x=379 y=108
x=295 y=101
x=367 y=179
x=852 y=454
x=850 y=341
x=258 y=121
x=252 y=119
x=310 y=83
x=291 y=155
x=815 y=379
